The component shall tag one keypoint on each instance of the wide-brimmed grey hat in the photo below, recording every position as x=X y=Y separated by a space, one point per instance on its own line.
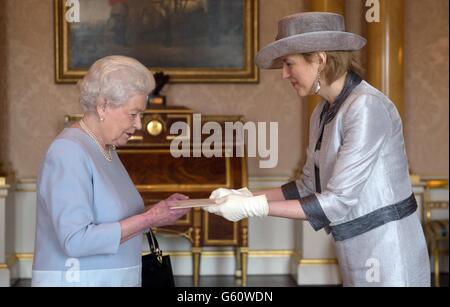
x=308 y=32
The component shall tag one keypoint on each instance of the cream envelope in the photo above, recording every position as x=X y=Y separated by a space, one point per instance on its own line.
x=193 y=203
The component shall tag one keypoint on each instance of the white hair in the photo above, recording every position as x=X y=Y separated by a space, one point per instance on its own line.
x=115 y=78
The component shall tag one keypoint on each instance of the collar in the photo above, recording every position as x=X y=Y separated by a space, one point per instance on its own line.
x=351 y=81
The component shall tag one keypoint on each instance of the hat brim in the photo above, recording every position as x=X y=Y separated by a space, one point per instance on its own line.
x=270 y=57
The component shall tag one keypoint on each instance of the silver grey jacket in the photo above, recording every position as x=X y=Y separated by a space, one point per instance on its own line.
x=356 y=185
x=362 y=165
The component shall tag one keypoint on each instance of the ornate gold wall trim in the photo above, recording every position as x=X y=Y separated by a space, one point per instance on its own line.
x=11 y=261
x=24 y=256
x=271 y=253
x=313 y=261
x=318 y=261
x=251 y=253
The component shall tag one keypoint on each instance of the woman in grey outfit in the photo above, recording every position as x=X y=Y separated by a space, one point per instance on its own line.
x=355 y=183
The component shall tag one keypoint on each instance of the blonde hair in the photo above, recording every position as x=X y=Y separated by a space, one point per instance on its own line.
x=338 y=63
x=116 y=78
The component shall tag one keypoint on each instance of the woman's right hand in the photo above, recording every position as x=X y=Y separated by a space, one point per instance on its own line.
x=222 y=192
x=161 y=214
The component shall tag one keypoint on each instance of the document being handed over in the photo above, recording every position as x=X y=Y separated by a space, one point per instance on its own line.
x=193 y=203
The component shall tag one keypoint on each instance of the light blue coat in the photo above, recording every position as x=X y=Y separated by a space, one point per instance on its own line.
x=81 y=197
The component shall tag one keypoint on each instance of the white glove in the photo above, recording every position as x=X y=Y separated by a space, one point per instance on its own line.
x=222 y=192
x=237 y=207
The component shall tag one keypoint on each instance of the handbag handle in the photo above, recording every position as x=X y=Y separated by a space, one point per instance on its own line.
x=153 y=244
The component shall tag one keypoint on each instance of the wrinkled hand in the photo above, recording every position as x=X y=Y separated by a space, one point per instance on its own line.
x=237 y=207
x=161 y=215
x=222 y=192
x=176 y=197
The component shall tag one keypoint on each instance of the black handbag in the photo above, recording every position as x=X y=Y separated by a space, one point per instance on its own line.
x=156 y=268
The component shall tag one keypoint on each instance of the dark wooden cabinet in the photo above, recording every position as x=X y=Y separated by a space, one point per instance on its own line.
x=157 y=174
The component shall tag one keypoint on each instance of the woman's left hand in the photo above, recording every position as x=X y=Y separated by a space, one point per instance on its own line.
x=176 y=196
x=161 y=213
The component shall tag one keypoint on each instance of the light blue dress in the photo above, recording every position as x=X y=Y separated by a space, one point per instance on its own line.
x=81 y=197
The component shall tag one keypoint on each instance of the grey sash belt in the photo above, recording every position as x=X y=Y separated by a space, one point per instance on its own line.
x=374 y=219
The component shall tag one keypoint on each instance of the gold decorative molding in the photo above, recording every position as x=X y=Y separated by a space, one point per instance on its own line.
x=135 y=138
x=11 y=260
x=317 y=261
x=186 y=234
x=427 y=178
x=271 y=253
x=244 y=249
x=251 y=253
x=244 y=236
x=297 y=256
x=222 y=118
x=249 y=73
x=437 y=184
x=2 y=180
x=168 y=111
x=24 y=256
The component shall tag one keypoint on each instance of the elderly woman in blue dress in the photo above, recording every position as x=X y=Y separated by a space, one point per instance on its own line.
x=355 y=183
x=90 y=217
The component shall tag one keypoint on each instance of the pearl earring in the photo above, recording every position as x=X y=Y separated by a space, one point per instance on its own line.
x=102 y=119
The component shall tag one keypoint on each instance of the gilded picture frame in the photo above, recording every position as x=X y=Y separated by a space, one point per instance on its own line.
x=205 y=41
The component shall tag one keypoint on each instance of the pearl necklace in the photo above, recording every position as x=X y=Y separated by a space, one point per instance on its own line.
x=106 y=154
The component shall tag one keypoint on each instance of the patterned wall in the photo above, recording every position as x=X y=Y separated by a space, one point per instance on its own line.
x=426 y=77
x=36 y=105
x=3 y=99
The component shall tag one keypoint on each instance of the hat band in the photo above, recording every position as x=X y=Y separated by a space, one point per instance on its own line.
x=290 y=29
